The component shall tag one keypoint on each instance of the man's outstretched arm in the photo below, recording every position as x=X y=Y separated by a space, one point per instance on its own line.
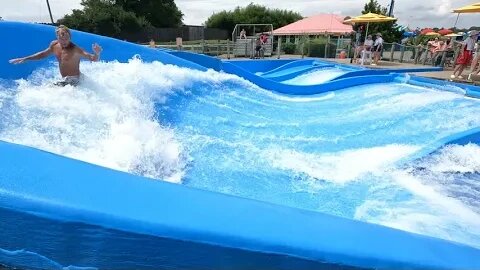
x=36 y=56
x=96 y=52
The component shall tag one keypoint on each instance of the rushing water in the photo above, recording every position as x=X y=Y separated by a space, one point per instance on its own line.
x=347 y=153
x=316 y=77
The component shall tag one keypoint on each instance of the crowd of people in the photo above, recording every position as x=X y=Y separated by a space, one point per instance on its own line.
x=433 y=52
x=439 y=48
x=435 y=48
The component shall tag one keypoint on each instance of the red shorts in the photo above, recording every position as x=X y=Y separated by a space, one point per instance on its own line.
x=465 y=58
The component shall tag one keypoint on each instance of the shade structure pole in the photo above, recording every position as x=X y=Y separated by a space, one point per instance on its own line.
x=50 y=12
x=366 y=32
x=458 y=15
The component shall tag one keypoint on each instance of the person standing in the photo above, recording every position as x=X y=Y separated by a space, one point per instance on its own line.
x=476 y=59
x=377 y=49
x=466 y=54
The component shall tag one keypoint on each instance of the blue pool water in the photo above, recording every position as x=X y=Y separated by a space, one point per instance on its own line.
x=344 y=153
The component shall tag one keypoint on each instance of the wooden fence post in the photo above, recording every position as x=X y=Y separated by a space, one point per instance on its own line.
x=426 y=56
x=444 y=57
x=246 y=47
x=279 y=46
x=418 y=52
x=402 y=52
x=303 y=47
x=392 y=51
x=228 y=48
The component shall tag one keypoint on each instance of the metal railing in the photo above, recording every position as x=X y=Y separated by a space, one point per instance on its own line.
x=223 y=47
x=252 y=27
x=246 y=47
x=393 y=52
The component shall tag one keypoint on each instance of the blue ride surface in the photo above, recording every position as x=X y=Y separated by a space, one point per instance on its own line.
x=59 y=212
x=277 y=75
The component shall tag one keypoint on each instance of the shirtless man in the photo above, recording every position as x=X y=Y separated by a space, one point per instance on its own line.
x=68 y=55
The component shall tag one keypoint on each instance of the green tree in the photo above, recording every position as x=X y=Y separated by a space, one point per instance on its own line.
x=160 y=13
x=374 y=7
x=104 y=17
x=252 y=14
x=391 y=31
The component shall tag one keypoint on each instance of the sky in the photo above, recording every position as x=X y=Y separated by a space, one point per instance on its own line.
x=411 y=13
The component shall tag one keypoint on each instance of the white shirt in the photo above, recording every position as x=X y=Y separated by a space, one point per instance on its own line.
x=378 y=41
x=469 y=43
x=368 y=42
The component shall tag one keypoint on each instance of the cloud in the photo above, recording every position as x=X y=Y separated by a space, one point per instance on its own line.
x=409 y=12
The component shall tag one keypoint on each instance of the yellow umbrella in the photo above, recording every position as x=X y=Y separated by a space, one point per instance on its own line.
x=432 y=34
x=370 y=18
x=473 y=8
x=453 y=35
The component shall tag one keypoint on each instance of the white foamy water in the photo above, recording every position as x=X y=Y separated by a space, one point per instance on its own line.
x=406 y=102
x=108 y=120
x=455 y=158
x=443 y=202
x=340 y=167
x=316 y=77
x=312 y=98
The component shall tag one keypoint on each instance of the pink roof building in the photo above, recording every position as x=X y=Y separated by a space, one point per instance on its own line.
x=322 y=24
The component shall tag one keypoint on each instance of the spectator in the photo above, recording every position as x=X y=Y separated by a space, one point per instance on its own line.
x=433 y=46
x=364 y=50
x=151 y=44
x=377 y=49
x=465 y=56
x=264 y=38
x=243 y=34
x=259 y=48
x=476 y=58
x=368 y=43
x=443 y=48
